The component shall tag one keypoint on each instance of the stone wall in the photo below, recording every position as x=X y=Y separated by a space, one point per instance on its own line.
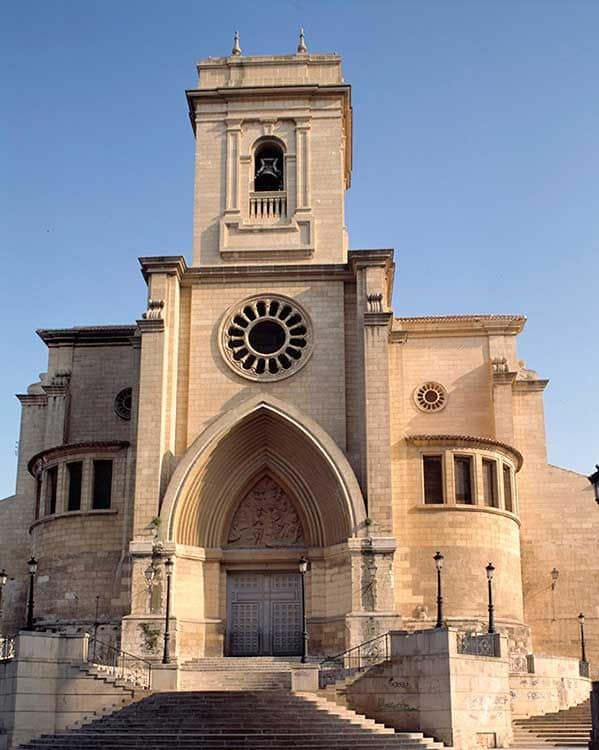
x=16 y=516
x=552 y=684
x=560 y=529
x=427 y=686
x=43 y=690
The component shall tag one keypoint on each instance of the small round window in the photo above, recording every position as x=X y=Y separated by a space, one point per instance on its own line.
x=266 y=338
x=122 y=403
x=430 y=397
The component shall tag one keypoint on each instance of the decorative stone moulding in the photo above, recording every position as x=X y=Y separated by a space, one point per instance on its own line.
x=122 y=404
x=266 y=337
x=430 y=397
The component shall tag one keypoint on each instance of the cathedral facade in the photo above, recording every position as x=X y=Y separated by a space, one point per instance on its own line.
x=269 y=406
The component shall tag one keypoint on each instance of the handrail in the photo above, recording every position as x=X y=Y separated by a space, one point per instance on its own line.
x=355 y=659
x=7 y=647
x=120 y=664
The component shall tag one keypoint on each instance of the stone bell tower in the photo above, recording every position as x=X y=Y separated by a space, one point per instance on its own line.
x=273 y=159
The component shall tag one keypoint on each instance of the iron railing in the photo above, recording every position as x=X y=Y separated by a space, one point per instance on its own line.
x=355 y=659
x=484 y=644
x=7 y=648
x=119 y=664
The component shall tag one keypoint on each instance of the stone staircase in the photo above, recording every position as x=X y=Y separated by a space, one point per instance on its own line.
x=570 y=727
x=237 y=673
x=232 y=720
x=100 y=694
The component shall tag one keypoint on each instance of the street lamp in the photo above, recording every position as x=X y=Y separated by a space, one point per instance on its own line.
x=303 y=569
x=168 y=569
x=3 y=580
x=32 y=565
x=490 y=570
x=583 y=650
x=594 y=480
x=438 y=558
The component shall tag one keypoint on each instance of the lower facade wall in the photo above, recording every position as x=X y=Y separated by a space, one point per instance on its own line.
x=464 y=701
x=553 y=684
x=43 y=690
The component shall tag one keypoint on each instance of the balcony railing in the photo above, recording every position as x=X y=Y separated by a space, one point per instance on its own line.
x=7 y=648
x=268 y=207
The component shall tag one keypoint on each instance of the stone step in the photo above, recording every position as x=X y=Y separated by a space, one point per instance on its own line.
x=256 y=720
x=565 y=728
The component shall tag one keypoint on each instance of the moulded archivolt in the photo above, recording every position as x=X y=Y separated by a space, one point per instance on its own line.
x=266 y=337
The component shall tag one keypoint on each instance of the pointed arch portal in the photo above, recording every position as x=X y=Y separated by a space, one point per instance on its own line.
x=263 y=438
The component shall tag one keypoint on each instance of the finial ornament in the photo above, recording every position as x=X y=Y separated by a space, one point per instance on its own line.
x=236 y=48
x=301 y=47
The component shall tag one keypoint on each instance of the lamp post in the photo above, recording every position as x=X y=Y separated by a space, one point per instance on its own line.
x=303 y=569
x=438 y=558
x=594 y=480
x=490 y=570
x=168 y=569
x=3 y=580
x=583 y=646
x=32 y=565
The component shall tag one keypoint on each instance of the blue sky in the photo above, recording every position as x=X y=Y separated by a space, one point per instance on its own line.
x=476 y=155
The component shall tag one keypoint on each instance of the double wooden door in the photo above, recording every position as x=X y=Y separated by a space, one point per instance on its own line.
x=264 y=614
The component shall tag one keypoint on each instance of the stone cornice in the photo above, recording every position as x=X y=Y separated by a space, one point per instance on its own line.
x=87 y=336
x=382 y=319
x=465 y=441
x=451 y=325
x=284 y=91
x=150 y=325
x=371 y=257
x=40 y=460
x=73 y=514
x=32 y=399
x=289 y=272
x=172 y=265
x=531 y=385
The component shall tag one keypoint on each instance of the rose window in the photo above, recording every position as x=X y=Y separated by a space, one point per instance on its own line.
x=430 y=397
x=123 y=403
x=266 y=338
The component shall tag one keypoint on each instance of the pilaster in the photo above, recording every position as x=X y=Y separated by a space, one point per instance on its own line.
x=374 y=272
x=158 y=330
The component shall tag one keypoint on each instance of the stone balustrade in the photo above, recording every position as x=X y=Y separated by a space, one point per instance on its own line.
x=268 y=207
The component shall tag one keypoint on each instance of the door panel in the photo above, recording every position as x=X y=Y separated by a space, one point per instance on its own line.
x=264 y=614
x=245 y=628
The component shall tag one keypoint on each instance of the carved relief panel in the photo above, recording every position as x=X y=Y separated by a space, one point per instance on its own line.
x=266 y=517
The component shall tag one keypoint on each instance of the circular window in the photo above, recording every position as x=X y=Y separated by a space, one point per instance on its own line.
x=122 y=403
x=430 y=397
x=266 y=338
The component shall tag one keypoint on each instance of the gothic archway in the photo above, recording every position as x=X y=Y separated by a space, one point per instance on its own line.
x=263 y=437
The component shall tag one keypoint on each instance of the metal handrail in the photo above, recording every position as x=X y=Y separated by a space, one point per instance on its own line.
x=120 y=664
x=7 y=648
x=355 y=659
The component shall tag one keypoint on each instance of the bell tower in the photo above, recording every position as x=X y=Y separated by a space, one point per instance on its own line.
x=273 y=159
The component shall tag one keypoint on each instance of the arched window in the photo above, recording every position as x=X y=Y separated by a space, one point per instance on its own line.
x=269 y=168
